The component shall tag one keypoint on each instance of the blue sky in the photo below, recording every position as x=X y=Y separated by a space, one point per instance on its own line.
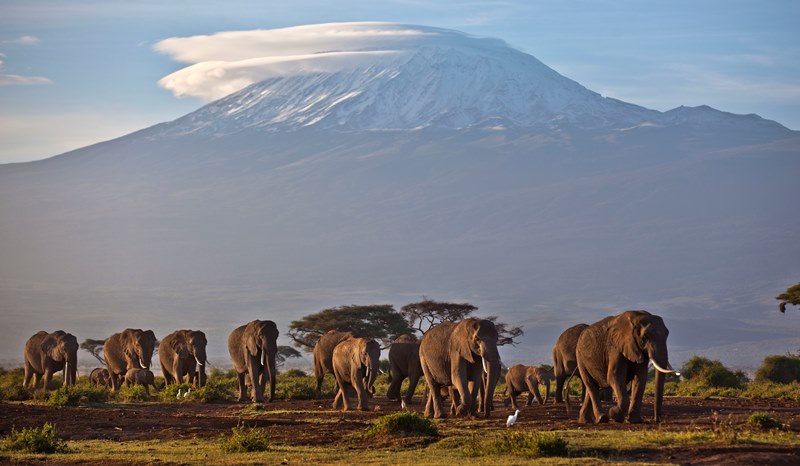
x=78 y=72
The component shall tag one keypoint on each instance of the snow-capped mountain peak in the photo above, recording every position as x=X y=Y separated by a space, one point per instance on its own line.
x=426 y=77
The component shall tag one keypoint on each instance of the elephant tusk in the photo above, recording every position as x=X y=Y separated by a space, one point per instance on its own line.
x=263 y=358
x=141 y=363
x=670 y=370
x=485 y=366
x=198 y=361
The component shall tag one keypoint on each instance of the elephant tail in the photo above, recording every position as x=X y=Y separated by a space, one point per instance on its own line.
x=566 y=387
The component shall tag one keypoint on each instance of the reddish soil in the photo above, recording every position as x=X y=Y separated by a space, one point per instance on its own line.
x=286 y=425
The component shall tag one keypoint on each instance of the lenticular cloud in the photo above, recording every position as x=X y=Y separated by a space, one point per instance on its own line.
x=225 y=62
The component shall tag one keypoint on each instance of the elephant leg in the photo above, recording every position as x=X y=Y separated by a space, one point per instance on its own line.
x=637 y=391
x=436 y=401
x=620 y=409
x=462 y=387
x=428 y=402
x=363 y=395
x=28 y=375
x=560 y=378
x=393 y=392
x=413 y=380
x=591 y=402
x=48 y=377
x=533 y=392
x=513 y=397
x=242 y=388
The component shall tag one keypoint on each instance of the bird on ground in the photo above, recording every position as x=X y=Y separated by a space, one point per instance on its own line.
x=187 y=392
x=512 y=419
x=178 y=396
x=403 y=404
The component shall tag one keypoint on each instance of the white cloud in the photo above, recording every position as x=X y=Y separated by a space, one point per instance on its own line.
x=13 y=79
x=226 y=62
x=25 y=40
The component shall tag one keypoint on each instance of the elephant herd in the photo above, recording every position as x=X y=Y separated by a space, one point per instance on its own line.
x=457 y=358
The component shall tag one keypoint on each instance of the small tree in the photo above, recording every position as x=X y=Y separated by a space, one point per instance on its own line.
x=779 y=369
x=791 y=296
x=94 y=347
x=380 y=322
x=284 y=353
x=426 y=314
x=713 y=373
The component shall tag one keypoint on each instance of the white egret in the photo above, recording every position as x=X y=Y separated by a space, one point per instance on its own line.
x=512 y=419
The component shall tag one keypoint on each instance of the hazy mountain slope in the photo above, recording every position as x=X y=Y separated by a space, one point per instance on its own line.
x=459 y=171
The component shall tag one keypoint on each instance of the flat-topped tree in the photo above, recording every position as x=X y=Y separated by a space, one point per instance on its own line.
x=380 y=322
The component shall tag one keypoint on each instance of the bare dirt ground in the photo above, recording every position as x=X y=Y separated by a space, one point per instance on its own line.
x=314 y=423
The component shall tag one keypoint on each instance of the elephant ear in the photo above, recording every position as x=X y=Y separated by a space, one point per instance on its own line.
x=462 y=338
x=49 y=347
x=622 y=336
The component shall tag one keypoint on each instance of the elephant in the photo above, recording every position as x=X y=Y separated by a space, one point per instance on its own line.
x=130 y=349
x=521 y=379
x=183 y=353
x=47 y=353
x=323 y=354
x=99 y=377
x=253 y=348
x=615 y=351
x=136 y=376
x=455 y=354
x=404 y=363
x=564 y=362
x=356 y=363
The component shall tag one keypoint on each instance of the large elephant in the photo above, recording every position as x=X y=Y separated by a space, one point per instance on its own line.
x=130 y=349
x=521 y=379
x=355 y=365
x=253 y=348
x=404 y=363
x=47 y=353
x=456 y=354
x=615 y=351
x=183 y=353
x=564 y=362
x=323 y=354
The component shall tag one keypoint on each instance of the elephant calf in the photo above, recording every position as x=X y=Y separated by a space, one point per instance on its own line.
x=521 y=379
x=100 y=377
x=137 y=376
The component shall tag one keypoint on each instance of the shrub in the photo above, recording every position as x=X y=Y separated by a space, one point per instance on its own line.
x=11 y=388
x=779 y=369
x=713 y=374
x=403 y=423
x=35 y=440
x=213 y=392
x=764 y=420
x=295 y=388
x=518 y=443
x=133 y=393
x=245 y=439
x=170 y=392
x=78 y=394
x=294 y=373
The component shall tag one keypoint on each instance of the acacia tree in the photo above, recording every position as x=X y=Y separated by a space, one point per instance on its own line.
x=380 y=322
x=426 y=314
x=284 y=353
x=94 y=347
x=791 y=296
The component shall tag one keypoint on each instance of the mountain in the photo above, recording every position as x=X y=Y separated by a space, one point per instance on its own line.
x=447 y=166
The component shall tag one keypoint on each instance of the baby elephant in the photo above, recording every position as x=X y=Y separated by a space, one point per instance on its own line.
x=140 y=377
x=100 y=377
x=520 y=379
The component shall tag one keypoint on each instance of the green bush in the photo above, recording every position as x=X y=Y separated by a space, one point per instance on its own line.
x=779 y=369
x=78 y=394
x=294 y=373
x=245 y=439
x=517 y=443
x=133 y=393
x=764 y=420
x=35 y=440
x=288 y=387
x=403 y=423
x=11 y=388
x=215 y=391
x=713 y=374
x=170 y=392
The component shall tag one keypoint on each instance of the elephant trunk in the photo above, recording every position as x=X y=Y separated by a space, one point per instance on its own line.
x=657 y=404
x=491 y=367
x=200 y=357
